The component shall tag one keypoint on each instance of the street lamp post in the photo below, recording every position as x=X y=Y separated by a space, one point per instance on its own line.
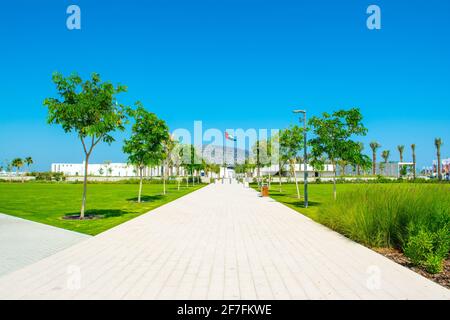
x=305 y=155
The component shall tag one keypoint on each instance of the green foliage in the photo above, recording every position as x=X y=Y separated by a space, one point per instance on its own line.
x=145 y=147
x=333 y=135
x=88 y=108
x=291 y=142
x=428 y=248
x=401 y=149
x=374 y=146
x=17 y=163
x=190 y=157
x=48 y=176
x=415 y=218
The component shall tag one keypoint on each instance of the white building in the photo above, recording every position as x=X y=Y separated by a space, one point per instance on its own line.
x=105 y=169
x=299 y=170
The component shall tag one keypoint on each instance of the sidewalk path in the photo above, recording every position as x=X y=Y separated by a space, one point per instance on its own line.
x=23 y=242
x=220 y=242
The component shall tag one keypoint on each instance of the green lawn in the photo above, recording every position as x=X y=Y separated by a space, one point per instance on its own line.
x=49 y=202
x=318 y=195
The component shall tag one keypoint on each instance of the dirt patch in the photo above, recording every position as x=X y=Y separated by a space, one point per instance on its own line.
x=395 y=255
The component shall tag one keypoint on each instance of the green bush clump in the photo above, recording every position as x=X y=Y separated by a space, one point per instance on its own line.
x=48 y=176
x=428 y=249
x=413 y=218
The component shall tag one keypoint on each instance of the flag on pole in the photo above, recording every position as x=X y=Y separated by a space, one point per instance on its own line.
x=229 y=136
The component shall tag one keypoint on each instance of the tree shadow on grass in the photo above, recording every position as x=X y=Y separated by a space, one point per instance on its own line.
x=301 y=203
x=96 y=214
x=147 y=198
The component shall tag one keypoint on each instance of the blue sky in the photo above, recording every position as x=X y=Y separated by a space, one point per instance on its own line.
x=232 y=64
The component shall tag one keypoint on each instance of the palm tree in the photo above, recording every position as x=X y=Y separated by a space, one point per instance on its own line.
x=385 y=155
x=29 y=161
x=413 y=150
x=438 y=144
x=17 y=163
x=400 y=149
x=374 y=146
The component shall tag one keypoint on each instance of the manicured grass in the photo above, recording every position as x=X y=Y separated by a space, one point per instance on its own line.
x=319 y=194
x=49 y=202
x=414 y=218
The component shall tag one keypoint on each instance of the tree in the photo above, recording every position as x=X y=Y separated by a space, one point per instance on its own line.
x=374 y=146
x=333 y=138
x=28 y=161
x=401 y=149
x=277 y=156
x=175 y=159
x=385 y=155
x=90 y=109
x=363 y=162
x=190 y=160
x=17 y=163
x=438 y=143
x=168 y=147
x=145 y=147
x=291 y=143
x=262 y=151
x=413 y=151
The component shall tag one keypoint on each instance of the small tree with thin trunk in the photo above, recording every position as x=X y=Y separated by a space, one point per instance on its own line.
x=146 y=144
x=333 y=139
x=168 y=149
x=374 y=146
x=385 y=155
x=90 y=109
x=291 y=143
x=438 y=144
x=413 y=151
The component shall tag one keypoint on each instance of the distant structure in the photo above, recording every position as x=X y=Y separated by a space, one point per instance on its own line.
x=445 y=168
x=105 y=169
x=215 y=154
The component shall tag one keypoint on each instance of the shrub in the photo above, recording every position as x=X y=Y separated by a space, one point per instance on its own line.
x=48 y=176
x=414 y=218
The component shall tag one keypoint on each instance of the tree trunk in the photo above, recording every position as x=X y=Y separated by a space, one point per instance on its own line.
x=279 y=175
x=187 y=178
x=374 y=163
x=140 y=185
x=295 y=179
x=334 y=182
x=439 y=165
x=83 y=202
x=164 y=179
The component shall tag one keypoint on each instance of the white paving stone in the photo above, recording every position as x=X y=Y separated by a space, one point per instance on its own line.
x=23 y=242
x=220 y=242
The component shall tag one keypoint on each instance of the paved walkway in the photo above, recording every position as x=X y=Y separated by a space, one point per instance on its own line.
x=222 y=241
x=23 y=242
